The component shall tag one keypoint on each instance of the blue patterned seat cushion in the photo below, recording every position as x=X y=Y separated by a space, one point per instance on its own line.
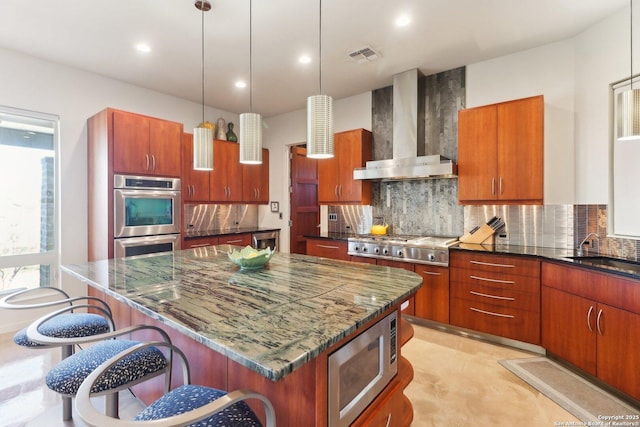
x=71 y=325
x=66 y=377
x=189 y=397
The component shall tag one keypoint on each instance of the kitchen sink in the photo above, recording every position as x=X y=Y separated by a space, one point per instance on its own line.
x=608 y=262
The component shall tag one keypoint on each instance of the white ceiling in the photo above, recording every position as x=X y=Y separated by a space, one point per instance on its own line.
x=99 y=35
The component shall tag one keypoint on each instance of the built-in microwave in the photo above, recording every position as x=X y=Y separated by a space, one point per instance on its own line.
x=146 y=206
x=359 y=370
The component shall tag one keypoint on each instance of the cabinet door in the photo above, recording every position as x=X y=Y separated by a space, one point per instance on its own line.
x=164 y=147
x=618 y=348
x=520 y=150
x=226 y=178
x=355 y=150
x=130 y=143
x=329 y=177
x=255 y=181
x=568 y=328
x=432 y=299
x=243 y=239
x=477 y=154
x=195 y=183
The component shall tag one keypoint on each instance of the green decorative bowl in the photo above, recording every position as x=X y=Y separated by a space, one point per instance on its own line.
x=251 y=259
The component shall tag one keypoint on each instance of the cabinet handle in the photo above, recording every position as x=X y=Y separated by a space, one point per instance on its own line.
x=491 y=313
x=485 y=279
x=388 y=421
x=589 y=319
x=500 y=185
x=489 y=264
x=153 y=162
x=480 y=294
x=493 y=186
x=598 y=322
x=335 y=191
x=432 y=273
x=233 y=241
x=147 y=157
x=327 y=247
x=340 y=192
x=200 y=245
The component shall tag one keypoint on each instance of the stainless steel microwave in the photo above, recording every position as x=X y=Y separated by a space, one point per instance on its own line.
x=359 y=370
x=146 y=206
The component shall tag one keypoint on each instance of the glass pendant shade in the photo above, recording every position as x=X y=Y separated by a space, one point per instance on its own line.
x=320 y=127
x=202 y=149
x=628 y=115
x=250 y=138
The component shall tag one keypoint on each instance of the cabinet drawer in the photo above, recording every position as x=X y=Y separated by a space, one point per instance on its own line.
x=506 y=298
x=519 y=325
x=327 y=248
x=496 y=279
x=521 y=266
x=236 y=239
x=199 y=242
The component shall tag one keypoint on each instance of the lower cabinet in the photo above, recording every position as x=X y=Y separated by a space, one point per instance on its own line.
x=242 y=239
x=327 y=248
x=591 y=320
x=432 y=299
x=496 y=294
x=409 y=309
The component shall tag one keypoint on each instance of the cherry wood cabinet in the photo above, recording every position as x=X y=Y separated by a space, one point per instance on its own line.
x=496 y=294
x=145 y=145
x=326 y=248
x=242 y=239
x=501 y=153
x=591 y=320
x=255 y=181
x=352 y=149
x=432 y=299
x=199 y=242
x=195 y=183
x=225 y=185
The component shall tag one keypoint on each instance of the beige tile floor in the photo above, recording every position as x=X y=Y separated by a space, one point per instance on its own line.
x=457 y=382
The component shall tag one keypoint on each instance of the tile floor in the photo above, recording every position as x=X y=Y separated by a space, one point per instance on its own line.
x=457 y=382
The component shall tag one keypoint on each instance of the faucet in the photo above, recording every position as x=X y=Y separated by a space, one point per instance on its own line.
x=584 y=240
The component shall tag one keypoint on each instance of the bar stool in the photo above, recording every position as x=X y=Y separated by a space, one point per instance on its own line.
x=66 y=377
x=184 y=406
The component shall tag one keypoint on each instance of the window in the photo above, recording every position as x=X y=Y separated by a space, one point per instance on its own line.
x=29 y=247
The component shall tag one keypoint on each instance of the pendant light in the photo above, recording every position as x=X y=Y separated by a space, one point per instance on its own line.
x=250 y=123
x=320 y=114
x=203 y=134
x=628 y=102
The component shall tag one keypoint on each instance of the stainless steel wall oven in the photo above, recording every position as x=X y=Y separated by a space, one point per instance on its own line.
x=146 y=215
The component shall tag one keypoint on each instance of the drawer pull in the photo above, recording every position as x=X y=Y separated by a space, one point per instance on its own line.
x=598 y=322
x=589 y=318
x=233 y=241
x=480 y=294
x=327 y=247
x=508 y=282
x=492 y=264
x=201 y=245
x=433 y=273
x=491 y=313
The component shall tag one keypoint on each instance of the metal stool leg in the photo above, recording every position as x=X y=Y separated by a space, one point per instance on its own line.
x=67 y=405
x=111 y=405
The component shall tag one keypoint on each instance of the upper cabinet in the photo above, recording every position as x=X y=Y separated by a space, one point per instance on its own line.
x=255 y=181
x=501 y=153
x=195 y=183
x=352 y=149
x=225 y=184
x=145 y=145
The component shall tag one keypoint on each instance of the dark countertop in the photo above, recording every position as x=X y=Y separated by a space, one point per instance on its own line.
x=273 y=320
x=192 y=234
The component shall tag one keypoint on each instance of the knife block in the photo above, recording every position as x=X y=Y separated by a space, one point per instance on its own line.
x=484 y=235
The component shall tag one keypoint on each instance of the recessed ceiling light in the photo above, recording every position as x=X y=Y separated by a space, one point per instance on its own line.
x=403 y=21
x=241 y=84
x=304 y=59
x=143 y=47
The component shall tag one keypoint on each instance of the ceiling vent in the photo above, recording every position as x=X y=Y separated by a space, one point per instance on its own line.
x=363 y=55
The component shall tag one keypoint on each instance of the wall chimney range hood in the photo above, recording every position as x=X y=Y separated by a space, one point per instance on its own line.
x=409 y=160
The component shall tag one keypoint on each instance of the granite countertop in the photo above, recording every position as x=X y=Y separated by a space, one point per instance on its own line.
x=273 y=320
x=192 y=234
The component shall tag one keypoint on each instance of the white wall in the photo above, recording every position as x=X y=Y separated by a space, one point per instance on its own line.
x=291 y=129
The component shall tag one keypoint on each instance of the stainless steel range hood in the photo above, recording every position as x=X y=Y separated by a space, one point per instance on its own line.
x=409 y=160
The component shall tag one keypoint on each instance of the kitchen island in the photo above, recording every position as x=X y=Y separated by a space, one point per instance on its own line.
x=270 y=330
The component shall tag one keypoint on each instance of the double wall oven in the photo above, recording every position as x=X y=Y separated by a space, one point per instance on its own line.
x=146 y=215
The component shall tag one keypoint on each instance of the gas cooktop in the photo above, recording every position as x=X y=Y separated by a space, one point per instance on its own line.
x=408 y=248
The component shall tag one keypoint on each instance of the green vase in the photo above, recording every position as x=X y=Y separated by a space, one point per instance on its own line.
x=231 y=136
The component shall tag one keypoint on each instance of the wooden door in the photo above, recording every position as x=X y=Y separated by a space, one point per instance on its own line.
x=568 y=328
x=520 y=150
x=305 y=211
x=164 y=147
x=618 y=348
x=130 y=143
x=195 y=183
x=477 y=154
x=432 y=299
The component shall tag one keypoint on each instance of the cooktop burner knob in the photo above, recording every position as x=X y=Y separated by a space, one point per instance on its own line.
x=431 y=257
x=377 y=250
x=385 y=251
x=400 y=253
x=364 y=249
